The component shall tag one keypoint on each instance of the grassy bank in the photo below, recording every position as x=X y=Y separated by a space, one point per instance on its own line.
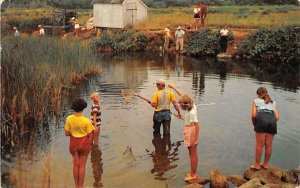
x=234 y=16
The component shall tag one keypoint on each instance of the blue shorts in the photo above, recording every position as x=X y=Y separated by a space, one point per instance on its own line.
x=265 y=122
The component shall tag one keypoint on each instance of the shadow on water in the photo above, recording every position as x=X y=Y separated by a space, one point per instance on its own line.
x=97 y=166
x=163 y=156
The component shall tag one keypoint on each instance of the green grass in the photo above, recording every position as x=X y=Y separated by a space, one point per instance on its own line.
x=234 y=16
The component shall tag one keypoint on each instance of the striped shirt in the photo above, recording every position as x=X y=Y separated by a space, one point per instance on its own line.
x=96 y=110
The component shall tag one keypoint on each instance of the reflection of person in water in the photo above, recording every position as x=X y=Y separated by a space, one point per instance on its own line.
x=162 y=156
x=179 y=63
x=97 y=165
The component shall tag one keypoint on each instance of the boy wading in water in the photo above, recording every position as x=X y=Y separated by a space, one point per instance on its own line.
x=96 y=116
x=191 y=130
x=80 y=130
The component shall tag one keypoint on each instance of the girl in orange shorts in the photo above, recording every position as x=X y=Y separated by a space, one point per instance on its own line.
x=80 y=129
x=190 y=132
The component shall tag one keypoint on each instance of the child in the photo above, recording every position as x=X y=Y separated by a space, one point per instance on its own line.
x=264 y=116
x=80 y=129
x=191 y=130
x=95 y=116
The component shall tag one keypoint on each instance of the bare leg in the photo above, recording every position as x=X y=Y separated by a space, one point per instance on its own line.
x=268 y=149
x=260 y=142
x=193 y=160
x=76 y=168
x=82 y=163
x=96 y=135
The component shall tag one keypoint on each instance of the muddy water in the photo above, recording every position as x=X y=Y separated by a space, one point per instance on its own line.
x=129 y=156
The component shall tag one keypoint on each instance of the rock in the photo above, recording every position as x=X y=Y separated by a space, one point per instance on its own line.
x=272 y=185
x=218 y=180
x=224 y=56
x=237 y=180
x=272 y=175
x=288 y=185
x=194 y=185
x=199 y=180
x=291 y=176
x=254 y=183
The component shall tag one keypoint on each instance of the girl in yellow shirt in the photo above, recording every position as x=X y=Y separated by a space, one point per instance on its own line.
x=80 y=129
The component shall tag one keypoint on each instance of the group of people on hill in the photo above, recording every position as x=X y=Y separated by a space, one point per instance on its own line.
x=199 y=14
x=84 y=132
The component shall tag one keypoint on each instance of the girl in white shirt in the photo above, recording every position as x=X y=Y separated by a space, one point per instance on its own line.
x=190 y=132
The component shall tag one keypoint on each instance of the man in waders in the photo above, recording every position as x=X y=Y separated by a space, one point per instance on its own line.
x=161 y=104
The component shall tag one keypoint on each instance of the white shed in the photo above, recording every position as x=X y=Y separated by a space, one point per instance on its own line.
x=118 y=13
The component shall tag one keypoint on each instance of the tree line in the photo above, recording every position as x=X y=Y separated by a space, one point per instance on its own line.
x=83 y=4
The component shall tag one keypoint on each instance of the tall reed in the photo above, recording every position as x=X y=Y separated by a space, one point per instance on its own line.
x=35 y=74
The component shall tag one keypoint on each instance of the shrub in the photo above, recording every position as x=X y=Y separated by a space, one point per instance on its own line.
x=204 y=43
x=278 y=46
x=126 y=41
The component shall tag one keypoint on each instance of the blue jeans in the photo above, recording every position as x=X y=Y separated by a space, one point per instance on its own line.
x=162 y=117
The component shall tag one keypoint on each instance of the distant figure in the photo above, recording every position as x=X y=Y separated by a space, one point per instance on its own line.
x=179 y=39
x=90 y=23
x=161 y=103
x=224 y=34
x=187 y=26
x=41 y=30
x=196 y=16
x=76 y=26
x=203 y=13
x=264 y=116
x=80 y=130
x=96 y=116
x=16 y=32
x=191 y=130
x=167 y=37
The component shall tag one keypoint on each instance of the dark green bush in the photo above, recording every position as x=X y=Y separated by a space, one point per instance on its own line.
x=206 y=43
x=279 y=46
x=126 y=41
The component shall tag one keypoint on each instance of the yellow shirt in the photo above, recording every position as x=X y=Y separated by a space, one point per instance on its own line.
x=163 y=99
x=78 y=126
x=167 y=32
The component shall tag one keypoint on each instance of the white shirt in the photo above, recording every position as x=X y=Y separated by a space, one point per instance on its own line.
x=196 y=10
x=42 y=31
x=224 y=32
x=191 y=116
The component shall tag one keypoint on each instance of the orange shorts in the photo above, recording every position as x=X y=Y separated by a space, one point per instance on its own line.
x=190 y=135
x=81 y=145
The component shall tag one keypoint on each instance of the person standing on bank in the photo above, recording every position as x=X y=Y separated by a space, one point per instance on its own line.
x=264 y=117
x=224 y=34
x=16 y=34
x=41 y=30
x=161 y=103
x=179 y=39
x=80 y=130
x=167 y=36
x=203 y=13
x=196 y=16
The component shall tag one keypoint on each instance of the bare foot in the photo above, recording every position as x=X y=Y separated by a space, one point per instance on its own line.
x=255 y=166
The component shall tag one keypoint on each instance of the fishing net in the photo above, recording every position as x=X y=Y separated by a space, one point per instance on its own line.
x=127 y=94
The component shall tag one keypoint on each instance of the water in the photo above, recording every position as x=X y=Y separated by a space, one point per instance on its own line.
x=129 y=156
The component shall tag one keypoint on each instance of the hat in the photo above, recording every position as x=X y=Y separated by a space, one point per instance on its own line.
x=15 y=28
x=178 y=27
x=39 y=25
x=73 y=18
x=161 y=82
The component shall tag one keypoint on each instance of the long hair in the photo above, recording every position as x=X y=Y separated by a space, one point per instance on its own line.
x=185 y=102
x=262 y=93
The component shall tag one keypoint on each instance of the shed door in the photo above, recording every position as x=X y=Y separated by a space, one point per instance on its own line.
x=131 y=13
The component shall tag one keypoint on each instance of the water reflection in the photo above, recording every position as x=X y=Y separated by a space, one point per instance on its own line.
x=97 y=166
x=163 y=156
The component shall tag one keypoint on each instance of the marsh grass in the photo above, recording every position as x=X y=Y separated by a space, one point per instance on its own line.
x=35 y=75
